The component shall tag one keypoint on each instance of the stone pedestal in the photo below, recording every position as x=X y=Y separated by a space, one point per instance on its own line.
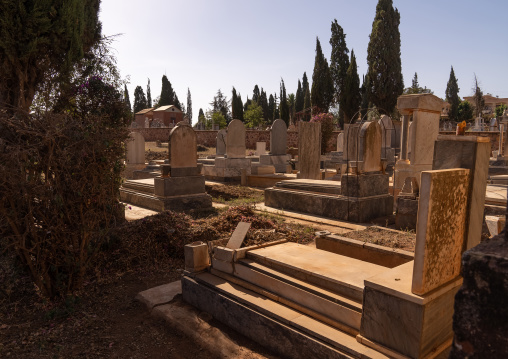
x=407 y=211
x=227 y=169
x=278 y=161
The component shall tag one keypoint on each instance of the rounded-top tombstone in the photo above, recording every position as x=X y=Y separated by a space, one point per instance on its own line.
x=278 y=138
x=235 y=140
x=182 y=146
x=135 y=149
x=340 y=142
x=220 y=149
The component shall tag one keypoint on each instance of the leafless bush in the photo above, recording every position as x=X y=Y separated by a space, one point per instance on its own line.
x=59 y=183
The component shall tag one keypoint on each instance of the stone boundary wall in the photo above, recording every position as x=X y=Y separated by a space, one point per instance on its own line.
x=207 y=137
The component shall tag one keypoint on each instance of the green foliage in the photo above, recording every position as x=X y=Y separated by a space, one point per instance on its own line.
x=254 y=115
x=464 y=111
x=126 y=99
x=41 y=40
x=478 y=98
x=365 y=90
x=271 y=108
x=306 y=105
x=139 y=99
x=236 y=106
x=291 y=105
x=322 y=86
x=263 y=102
x=283 y=106
x=383 y=58
x=452 y=96
x=201 y=116
x=339 y=64
x=351 y=97
x=500 y=110
x=216 y=118
x=148 y=95
x=255 y=94
x=168 y=95
x=299 y=98
x=326 y=120
x=415 y=87
x=220 y=104
x=189 y=105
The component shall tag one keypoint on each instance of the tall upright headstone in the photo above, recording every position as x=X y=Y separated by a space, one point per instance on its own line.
x=235 y=140
x=135 y=149
x=309 y=150
x=340 y=142
x=182 y=149
x=278 y=144
x=278 y=138
x=220 y=149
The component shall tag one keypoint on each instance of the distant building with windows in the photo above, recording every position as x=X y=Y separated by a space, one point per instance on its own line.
x=166 y=116
x=491 y=102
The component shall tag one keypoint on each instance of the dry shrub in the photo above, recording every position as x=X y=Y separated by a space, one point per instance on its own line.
x=59 y=185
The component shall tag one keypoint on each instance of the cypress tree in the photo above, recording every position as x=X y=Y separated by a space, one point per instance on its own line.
x=234 y=102
x=383 y=58
x=167 y=96
x=322 y=86
x=365 y=90
x=148 y=95
x=339 y=64
x=478 y=98
x=255 y=94
x=42 y=40
x=351 y=99
x=271 y=108
x=263 y=102
x=276 y=112
x=299 y=98
x=452 y=96
x=189 y=105
x=247 y=103
x=127 y=99
x=283 y=107
x=239 y=106
x=306 y=105
x=139 y=99
x=305 y=87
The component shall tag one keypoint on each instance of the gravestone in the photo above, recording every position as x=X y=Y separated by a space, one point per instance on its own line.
x=440 y=230
x=278 y=138
x=182 y=147
x=387 y=131
x=260 y=148
x=235 y=140
x=364 y=147
x=220 y=149
x=278 y=144
x=340 y=142
x=135 y=149
x=309 y=150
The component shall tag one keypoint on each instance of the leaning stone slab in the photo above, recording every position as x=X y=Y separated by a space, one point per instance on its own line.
x=238 y=235
x=440 y=229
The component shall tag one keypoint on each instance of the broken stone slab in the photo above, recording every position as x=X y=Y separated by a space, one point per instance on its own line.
x=238 y=235
x=162 y=294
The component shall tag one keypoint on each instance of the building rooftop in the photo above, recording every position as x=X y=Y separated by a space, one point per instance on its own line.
x=166 y=108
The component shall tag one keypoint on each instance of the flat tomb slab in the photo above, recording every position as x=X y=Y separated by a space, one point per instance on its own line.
x=320 y=186
x=335 y=272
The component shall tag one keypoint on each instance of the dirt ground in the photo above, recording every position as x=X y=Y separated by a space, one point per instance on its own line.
x=103 y=320
x=404 y=240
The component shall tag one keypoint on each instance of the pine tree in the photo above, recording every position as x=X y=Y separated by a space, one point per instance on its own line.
x=139 y=99
x=127 y=99
x=283 y=107
x=383 y=58
x=352 y=98
x=220 y=104
x=271 y=108
x=189 y=105
x=299 y=98
x=167 y=96
x=322 y=86
x=148 y=95
x=452 y=96
x=339 y=64
x=42 y=40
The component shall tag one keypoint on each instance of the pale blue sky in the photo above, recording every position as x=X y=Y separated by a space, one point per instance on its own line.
x=206 y=45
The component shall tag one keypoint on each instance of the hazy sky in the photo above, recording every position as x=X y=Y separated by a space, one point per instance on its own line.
x=206 y=45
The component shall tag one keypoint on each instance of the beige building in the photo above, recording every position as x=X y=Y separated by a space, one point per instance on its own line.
x=491 y=103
